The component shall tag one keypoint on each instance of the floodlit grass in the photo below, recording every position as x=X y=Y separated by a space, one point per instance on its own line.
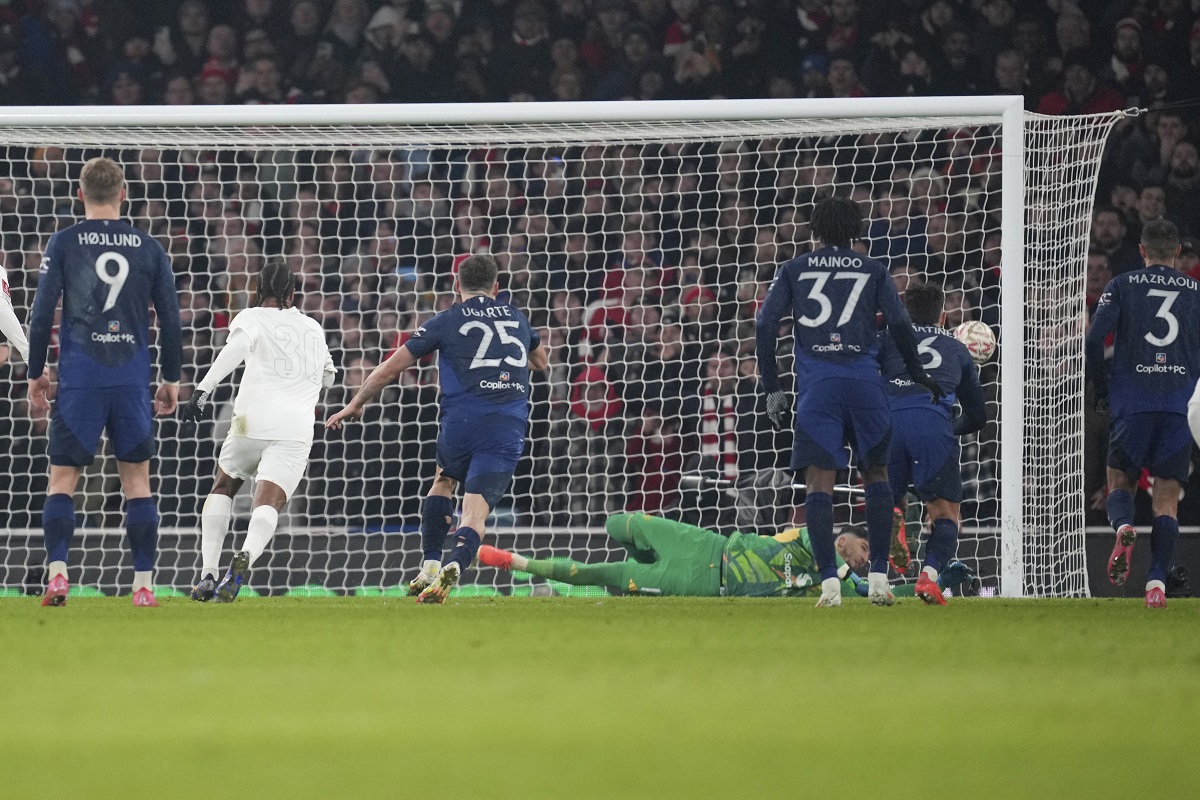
x=606 y=698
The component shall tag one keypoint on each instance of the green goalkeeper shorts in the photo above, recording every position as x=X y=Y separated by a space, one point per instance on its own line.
x=670 y=558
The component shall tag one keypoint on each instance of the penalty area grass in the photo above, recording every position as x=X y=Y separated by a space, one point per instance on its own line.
x=598 y=698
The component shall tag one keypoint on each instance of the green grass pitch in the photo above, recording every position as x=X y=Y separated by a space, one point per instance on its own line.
x=604 y=698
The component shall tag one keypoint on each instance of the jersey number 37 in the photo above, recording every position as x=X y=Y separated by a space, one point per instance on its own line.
x=817 y=292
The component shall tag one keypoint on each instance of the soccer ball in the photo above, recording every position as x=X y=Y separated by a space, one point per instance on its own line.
x=979 y=339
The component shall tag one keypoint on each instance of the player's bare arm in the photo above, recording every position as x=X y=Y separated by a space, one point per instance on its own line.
x=375 y=383
x=166 y=399
x=539 y=358
x=39 y=394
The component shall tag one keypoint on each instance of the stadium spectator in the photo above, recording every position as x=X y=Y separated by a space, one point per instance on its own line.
x=382 y=228
x=1081 y=93
x=1182 y=191
x=1109 y=236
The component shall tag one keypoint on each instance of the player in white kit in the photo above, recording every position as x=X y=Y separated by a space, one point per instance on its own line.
x=10 y=326
x=287 y=365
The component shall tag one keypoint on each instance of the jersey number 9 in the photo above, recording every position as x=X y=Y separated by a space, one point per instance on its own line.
x=115 y=282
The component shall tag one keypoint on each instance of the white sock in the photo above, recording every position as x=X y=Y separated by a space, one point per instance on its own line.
x=877 y=582
x=831 y=586
x=143 y=580
x=262 y=527
x=519 y=562
x=931 y=573
x=430 y=566
x=1156 y=585
x=214 y=527
x=57 y=568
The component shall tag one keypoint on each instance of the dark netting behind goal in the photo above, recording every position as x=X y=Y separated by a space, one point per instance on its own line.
x=641 y=251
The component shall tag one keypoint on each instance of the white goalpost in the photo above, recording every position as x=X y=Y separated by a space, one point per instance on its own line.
x=639 y=238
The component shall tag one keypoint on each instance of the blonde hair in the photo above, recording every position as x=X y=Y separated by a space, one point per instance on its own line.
x=101 y=181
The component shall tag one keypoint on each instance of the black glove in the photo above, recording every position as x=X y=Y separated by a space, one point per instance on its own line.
x=934 y=389
x=196 y=406
x=778 y=407
x=1101 y=406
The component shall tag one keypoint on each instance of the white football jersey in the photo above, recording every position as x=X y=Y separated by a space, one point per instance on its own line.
x=10 y=326
x=287 y=364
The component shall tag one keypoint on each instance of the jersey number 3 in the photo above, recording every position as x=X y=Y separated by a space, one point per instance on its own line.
x=115 y=282
x=506 y=338
x=1164 y=312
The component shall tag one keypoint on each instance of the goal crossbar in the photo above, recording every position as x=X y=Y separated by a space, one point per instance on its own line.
x=506 y=124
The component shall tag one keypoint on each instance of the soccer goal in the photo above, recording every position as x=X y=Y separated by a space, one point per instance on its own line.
x=639 y=238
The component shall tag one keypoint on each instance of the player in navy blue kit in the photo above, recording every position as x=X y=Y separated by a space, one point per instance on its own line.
x=1155 y=315
x=107 y=273
x=833 y=295
x=485 y=351
x=924 y=452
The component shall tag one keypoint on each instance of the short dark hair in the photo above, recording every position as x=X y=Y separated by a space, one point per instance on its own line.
x=478 y=273
x=836 y=221
x=1161 y=240
x=277 y=282
x=854 y=530
x=924 y=302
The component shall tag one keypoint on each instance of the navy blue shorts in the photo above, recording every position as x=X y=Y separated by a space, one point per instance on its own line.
x=833 y=413
x=924 y=456
x=80 y=415
x=1159 y=441
x=482 y=453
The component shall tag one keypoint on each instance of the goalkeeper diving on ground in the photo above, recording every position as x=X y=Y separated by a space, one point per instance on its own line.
x=669 y=558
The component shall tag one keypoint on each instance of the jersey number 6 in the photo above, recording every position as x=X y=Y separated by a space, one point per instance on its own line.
x=502 y=329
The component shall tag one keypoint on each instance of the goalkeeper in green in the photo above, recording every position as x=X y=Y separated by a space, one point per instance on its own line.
x=671 y=558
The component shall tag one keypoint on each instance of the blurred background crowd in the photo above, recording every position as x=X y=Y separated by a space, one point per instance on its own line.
x=643 y=265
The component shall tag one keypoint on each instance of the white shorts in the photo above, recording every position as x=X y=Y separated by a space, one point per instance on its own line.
x=281 y=462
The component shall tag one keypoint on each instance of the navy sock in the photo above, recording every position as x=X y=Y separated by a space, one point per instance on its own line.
x=818 y=513
x=436 y=513
x=943 y=542
x=141 y=528
x=1163 y=537
x=462 y=551
x=58 y=525
x=879 y=524
x=1120 y=508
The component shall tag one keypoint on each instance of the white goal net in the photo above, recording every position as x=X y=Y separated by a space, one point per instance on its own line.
x=640 y=248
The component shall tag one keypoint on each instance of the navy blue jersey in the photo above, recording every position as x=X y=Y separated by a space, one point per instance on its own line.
x=944 y=358
x=833 y=296
x=483 y=358
x=107 y=273
x=1155 y=315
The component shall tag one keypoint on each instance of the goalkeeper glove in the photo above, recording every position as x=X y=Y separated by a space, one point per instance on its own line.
x=861 y=587
x=777 y=408
x=196 y=406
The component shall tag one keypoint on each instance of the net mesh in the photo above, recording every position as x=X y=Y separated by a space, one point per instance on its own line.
x=641 y=252
x=1061 y=167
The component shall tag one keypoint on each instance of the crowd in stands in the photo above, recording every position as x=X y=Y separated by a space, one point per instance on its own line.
x=642 y=265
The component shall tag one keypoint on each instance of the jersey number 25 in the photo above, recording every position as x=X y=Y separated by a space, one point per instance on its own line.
x=502 y=330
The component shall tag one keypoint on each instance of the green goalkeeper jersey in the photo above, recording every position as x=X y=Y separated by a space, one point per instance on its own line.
x=766 y=566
